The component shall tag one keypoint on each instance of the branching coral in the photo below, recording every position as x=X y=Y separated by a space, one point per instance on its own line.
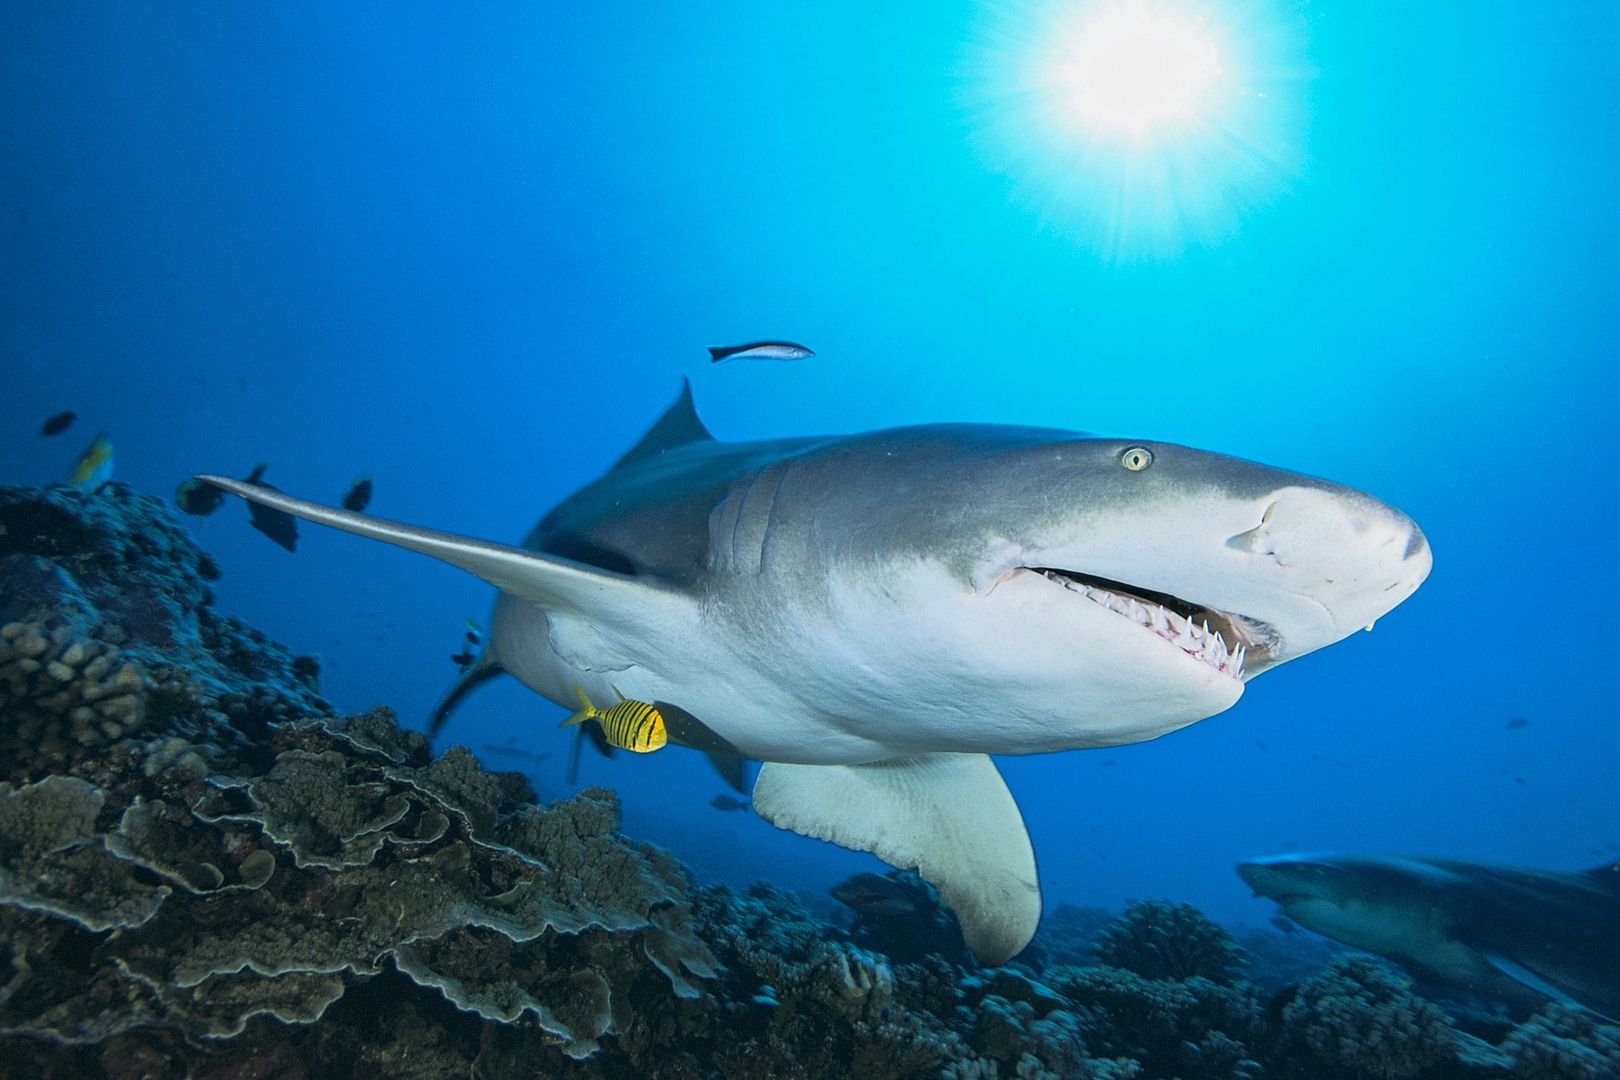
x=63 y=693
x=1360 y=1019
x=1160 y=940
x=1182 y=1027
x=1560 y=1043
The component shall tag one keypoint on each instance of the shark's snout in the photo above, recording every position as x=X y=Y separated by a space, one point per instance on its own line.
x=1301 y=525
x=1337 y=561
x=1261 y=876
x=1291 y=880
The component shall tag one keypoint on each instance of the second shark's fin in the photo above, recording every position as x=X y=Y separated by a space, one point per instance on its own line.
x=948 y=816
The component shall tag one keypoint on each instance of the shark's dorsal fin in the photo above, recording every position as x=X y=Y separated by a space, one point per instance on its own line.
x=679 y=426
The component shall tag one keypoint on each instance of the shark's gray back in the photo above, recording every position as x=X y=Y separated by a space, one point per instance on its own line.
x=651 y=519
x=650 y=514
x=927 y=488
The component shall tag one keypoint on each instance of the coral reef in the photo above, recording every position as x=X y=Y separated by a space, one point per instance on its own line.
x=900 y=913
x=1160 y=940
x=1279 y=958
x=63 y=692
x=107 y=630
x=1359 y=1019
x=236 y=896
x=204 y=853
x=1068 y=935
x=1561 y=1043
x=1187 y=1028
x=205 y=872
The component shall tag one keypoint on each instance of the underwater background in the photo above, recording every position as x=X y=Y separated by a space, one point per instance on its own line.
x=471 y=252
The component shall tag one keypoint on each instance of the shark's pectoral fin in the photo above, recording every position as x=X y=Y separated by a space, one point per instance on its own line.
x=948 y=816
x=1524 y=976
x=552 y=583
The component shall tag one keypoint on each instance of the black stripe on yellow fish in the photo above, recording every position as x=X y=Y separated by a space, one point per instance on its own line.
x=629 y=725
x=651 y=727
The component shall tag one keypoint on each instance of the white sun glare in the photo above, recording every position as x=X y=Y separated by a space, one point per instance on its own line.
x=1140 y=126
x=1131 y=66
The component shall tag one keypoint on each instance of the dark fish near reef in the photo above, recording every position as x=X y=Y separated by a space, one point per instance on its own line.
x=759 y=350
x=1510 y=933
x=464 y=659
x=195 y=497
x=728 y=802
x=278 y=525
x=884 y=896
x=359 y=495
x=630 y=725
x=58 y=423
x=95 y=465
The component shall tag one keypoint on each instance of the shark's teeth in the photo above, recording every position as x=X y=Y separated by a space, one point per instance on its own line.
x=1195 y=639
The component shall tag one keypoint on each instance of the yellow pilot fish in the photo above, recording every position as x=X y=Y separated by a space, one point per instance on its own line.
x=630 y=725
x=94 y=466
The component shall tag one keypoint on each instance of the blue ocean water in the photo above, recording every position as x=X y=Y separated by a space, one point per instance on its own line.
x=473 y=252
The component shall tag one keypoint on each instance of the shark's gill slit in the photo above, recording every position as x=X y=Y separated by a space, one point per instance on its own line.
x=1220 y=639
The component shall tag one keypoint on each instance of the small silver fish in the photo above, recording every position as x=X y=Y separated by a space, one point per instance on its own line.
x=759 y=350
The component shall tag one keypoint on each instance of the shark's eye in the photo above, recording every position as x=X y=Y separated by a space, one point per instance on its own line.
x=1136 y=458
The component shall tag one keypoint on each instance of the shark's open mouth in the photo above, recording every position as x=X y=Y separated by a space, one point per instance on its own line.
x=1220 y=639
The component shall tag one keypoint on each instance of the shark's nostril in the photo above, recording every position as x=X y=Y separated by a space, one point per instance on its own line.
x=1254 y=540
x=1245 y=541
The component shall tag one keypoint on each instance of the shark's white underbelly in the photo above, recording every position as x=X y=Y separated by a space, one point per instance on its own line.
x=836 y=699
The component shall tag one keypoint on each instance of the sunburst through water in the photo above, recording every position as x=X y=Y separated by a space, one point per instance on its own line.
x=1140 y=127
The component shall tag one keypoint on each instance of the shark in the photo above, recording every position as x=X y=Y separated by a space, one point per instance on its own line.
x=1513 y=934
x=872 y=615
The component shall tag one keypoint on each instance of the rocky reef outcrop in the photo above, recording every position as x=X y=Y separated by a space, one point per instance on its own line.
x=204 y=871
x=199 y=861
